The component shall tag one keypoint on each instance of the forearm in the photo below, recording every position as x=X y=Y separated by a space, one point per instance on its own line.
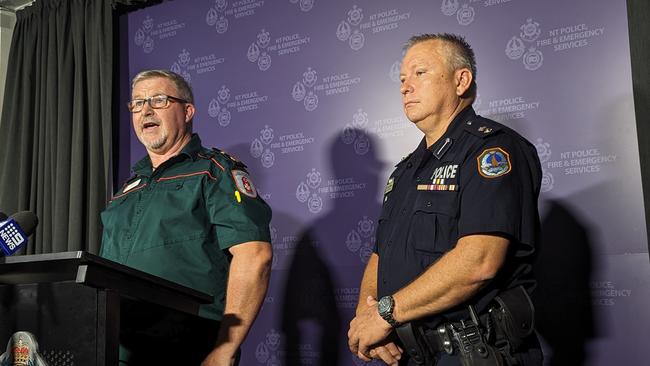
x=248 y=280
x=368 y=283
x=453 y=279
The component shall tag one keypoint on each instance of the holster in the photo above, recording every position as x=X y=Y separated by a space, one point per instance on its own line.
x=514 y=317
x=415 y=345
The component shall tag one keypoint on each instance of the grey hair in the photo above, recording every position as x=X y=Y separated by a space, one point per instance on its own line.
x=461 y=54
x=182 y=87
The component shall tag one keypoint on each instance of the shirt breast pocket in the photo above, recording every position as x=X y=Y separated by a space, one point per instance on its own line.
x=434 y=222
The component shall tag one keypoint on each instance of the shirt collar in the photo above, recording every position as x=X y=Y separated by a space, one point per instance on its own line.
x=190 y=150
x=440 y=147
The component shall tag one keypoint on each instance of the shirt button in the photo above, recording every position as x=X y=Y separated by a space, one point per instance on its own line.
x=428 y=203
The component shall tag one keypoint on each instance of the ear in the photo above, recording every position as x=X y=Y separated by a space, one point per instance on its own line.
x=463 y=79
x=189 y=112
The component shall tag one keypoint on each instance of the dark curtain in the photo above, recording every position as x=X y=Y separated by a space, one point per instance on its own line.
x=55 y=144
x=639 y=29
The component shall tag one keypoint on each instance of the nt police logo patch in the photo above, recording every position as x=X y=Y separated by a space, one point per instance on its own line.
x=493 y=163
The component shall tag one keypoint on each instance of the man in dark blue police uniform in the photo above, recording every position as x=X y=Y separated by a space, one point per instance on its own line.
x=457 y=231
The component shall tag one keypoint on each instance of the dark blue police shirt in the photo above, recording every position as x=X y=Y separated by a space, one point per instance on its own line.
x=480 y=177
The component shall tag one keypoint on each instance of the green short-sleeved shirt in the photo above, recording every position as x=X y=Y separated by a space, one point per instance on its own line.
x=178 y=221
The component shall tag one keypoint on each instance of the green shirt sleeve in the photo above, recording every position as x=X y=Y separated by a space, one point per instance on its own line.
x=237 y=217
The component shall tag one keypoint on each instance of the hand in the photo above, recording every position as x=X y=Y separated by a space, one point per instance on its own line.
x=389 y=352
x=366 y=330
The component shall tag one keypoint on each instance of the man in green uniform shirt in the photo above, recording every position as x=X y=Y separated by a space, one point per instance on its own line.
x=193 y=216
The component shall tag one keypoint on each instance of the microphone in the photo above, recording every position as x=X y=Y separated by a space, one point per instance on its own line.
x=15 y=230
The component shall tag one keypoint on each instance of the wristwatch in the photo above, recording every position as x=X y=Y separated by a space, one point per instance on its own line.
x=385 y=307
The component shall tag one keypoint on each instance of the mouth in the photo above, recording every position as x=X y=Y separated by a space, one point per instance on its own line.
x=149 y=126
x=409 y=103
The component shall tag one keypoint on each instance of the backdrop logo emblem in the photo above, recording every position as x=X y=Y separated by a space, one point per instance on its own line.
x=224 y=117
x=345 y=32
x=348 y=135
x=218 y=14
x=298 y=92
x=515 y=48
x=353 y=241
x=362 y=145
x=315 y=203
x=223 y=94
x=253 y=52
x=184 y=58
x=355 y=15
x=213 y=108
x=139 y=37
x=148 y=45
x=533 y=59
x=517 y=45
x=465 y=15
x=267 y=350
x=393 y=74
x=211 y=17
x=147 y=23
x=543 y=150
x=310 y=77
x=222 y=25
x=530 y=31
x=449 y=7
x=360 y=119
x=263 y=38
x=311 y=101
x=266 y=135
x=361 y=239
x=256 y=148
x=264 y=62
x=352 y=133
x=268 y=158
x=306 y=5
x=221 y=5
x=314 y=179
x=357 y=40
x=302 y=192
x=257 y=51
x=307 y=191
x=547 y=181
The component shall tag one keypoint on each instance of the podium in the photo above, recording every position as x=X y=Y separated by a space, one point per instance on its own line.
x=71 y=303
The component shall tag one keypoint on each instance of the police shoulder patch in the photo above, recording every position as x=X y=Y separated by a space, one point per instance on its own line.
x=494 y=162
x=244 y=183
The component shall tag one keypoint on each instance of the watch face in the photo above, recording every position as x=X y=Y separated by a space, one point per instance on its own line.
x=384 y=305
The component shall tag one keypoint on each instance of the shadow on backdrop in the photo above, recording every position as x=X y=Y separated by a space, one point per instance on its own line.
x=323 y=262
x=563 y=303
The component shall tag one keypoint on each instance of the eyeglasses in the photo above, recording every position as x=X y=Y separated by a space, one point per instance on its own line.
x=155 y=102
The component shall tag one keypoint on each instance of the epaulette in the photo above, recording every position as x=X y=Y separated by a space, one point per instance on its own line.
x=481 y=127
x=403 y=159
x=236 y=162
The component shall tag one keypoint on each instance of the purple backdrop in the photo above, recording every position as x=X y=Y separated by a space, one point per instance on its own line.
x=306 y=93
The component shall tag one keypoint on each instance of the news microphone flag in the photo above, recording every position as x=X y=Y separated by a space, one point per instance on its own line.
x=12 y=236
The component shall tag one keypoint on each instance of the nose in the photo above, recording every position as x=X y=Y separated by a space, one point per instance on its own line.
x=146 y=108
x=405 y=87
